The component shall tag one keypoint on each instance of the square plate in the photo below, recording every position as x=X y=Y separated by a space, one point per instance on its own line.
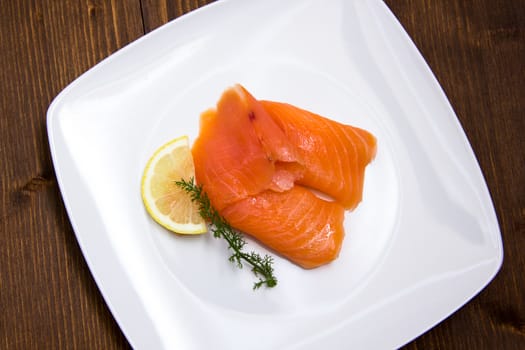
x=423 y=242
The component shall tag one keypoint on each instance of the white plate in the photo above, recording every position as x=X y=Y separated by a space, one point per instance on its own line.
x=424 y=240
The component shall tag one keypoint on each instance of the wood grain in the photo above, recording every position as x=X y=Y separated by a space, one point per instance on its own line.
x=48 y=299
x=158 y=12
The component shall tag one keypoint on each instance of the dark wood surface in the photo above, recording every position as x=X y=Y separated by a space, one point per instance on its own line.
x=48 y=299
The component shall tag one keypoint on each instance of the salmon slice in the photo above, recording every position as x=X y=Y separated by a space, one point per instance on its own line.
x=258 y=160
x=334 y=155
x=241 y=151
x=296 y=224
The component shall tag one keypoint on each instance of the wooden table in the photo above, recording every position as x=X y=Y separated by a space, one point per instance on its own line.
x=48 y=299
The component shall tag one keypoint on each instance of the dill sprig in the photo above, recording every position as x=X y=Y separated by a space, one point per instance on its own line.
x=220 y=228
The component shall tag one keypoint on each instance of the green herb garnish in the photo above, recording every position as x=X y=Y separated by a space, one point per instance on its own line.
x=261 y=266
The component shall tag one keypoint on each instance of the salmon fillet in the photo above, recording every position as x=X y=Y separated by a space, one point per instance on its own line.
x=334 y=155
x=241 y=151
x=259 y=160
x=296 y=224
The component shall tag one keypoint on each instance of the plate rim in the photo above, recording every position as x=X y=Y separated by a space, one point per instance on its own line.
x=61 y=98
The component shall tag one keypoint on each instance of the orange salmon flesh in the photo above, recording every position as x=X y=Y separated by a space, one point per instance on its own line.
x=258 y=162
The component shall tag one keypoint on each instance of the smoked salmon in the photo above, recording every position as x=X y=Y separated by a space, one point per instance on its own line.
x=297 y=224
x=334 y=155
x=241 y=151
x=258 y=162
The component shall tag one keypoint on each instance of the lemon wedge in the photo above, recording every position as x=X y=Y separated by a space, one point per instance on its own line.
x=169 y=205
